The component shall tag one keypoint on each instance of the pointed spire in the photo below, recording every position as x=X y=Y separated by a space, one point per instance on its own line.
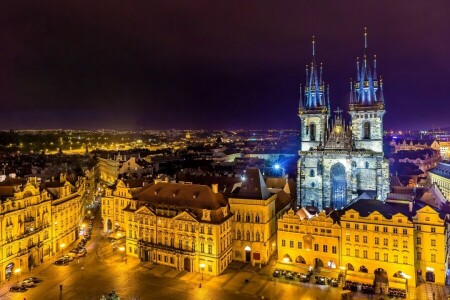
x=381 y=90
x=328 y=97
x=351 y=90
x=300 y=102
x=357 y=68
x=375 y=67
x=365 y=39
x=313 y=46
x=320 y=77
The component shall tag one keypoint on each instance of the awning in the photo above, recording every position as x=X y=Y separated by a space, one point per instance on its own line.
x=329 y=274
x=397 y=285
x=359 y=279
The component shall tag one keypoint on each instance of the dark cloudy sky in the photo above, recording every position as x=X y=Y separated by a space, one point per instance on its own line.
x=213 y=64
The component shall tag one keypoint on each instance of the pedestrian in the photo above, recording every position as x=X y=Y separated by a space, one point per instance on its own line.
x=60 y=288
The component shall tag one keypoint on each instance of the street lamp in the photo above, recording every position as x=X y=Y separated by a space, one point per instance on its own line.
x=202 y=267
x=62 y=248
x=122 y=250
x=17 y=271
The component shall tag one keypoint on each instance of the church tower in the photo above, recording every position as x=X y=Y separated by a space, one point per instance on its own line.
x=367 y=105
x=313 y=107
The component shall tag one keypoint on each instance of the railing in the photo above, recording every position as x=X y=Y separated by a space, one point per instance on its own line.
x=143 y=243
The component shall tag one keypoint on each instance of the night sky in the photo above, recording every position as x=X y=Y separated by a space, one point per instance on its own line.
x=202 y=64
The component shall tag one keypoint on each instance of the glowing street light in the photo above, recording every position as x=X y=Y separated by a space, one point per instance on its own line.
x=62 y=248
x=277 y=166
x=17 y=271
x=202 y=267
x=122 y=250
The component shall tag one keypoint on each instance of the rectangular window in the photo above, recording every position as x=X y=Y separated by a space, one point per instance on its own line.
x=419 y=228
x=347 y=237
x=386 y=257
x=377 y=255
x=377 y=228
x=395 y=258
x=357 y=226
x=299 y=245
x=283 y=243
x=385 y=229
x=433 y=229
x=405 y=244
x=209 y=230
x=405 y=231
x=347 y=225
x=209 y=268
x=202 y=247
x=395 y=230
x=357 y=238
x=385 y=242
x=210 y=249
x=365 y=253
x=347 y=252
x=433 y=257
x=395 y=243
x=356 y=252
x=405 y=260
x=419 y=240
x=334 y=249
x=291 y=244
x=377 y=241
x=419 y=255
x=364 y=227
x=433 y=243
x=316 y=247
x=325 y=248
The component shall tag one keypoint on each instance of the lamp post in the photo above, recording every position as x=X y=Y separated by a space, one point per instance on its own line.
x=62 y=248
x=122 y=250
x=17 y=271
x=202 y=267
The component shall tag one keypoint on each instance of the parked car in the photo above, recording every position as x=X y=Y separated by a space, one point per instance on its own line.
x=61 y=261
x=276 y=273
x=82 y=252
x=17 y=288
x=27 y=283
x=68 y=257
x=34 y=279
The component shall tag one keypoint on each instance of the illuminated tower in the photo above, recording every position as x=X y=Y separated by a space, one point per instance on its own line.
x=367 y=105
x=313 y=106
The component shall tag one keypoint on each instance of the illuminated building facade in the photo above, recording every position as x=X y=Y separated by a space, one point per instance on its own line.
x=37 y=221
x=184 y=226
x=339 y=162
x=392 y=244
x=256 y=211
x=108 y=169
x=441 y=177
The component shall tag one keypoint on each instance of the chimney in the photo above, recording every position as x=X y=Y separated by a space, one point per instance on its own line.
x=215 y=187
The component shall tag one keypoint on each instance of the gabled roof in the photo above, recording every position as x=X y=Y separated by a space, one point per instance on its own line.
x=253 y=187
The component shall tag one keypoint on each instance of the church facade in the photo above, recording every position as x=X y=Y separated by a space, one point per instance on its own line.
x=340 y=162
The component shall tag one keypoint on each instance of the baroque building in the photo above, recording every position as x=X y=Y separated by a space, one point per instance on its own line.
x=338 y=161
x=185 y=226
x=37 y=220
x=392 y=245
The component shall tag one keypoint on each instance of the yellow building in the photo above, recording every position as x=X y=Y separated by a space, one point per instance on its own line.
x=309 y=242
x=256 y=211
x=393 y=244
x=37 y=220
x=441 y=177
x=184 y=226
x=108 y=169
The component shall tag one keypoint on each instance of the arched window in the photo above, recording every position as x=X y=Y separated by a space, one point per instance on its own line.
x=313 y=185
x=238 y=217
x=247 y=218
x=257 y=218
x=257 y=236
x=366 y=131
x=312 y=173
x=238 y=234
x=367 y=164
x=248 y=236
x=312 y=132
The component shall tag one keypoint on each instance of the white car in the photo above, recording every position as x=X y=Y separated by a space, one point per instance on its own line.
x=28 y=283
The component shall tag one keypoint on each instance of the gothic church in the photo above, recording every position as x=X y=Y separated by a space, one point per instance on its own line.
x=340 y=162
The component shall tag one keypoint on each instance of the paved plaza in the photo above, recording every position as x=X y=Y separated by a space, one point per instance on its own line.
x=103 y=270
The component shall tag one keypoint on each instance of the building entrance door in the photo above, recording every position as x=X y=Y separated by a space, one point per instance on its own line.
x=187 y=264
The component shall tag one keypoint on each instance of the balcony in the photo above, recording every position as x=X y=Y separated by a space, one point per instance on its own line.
x=142 y=243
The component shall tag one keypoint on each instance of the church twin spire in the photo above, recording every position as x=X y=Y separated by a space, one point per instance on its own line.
x=367 y=89
x=314 y=96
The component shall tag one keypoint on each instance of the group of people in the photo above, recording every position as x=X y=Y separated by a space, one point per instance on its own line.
x=110 y=296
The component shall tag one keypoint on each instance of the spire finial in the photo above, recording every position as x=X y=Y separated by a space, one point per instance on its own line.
x=313 y=46
x=365 y=37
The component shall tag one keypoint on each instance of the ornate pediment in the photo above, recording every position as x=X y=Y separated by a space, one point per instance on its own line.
x=185 y=216
x=144 y=210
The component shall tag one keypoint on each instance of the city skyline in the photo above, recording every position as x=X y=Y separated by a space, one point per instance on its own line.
x=161 y=66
